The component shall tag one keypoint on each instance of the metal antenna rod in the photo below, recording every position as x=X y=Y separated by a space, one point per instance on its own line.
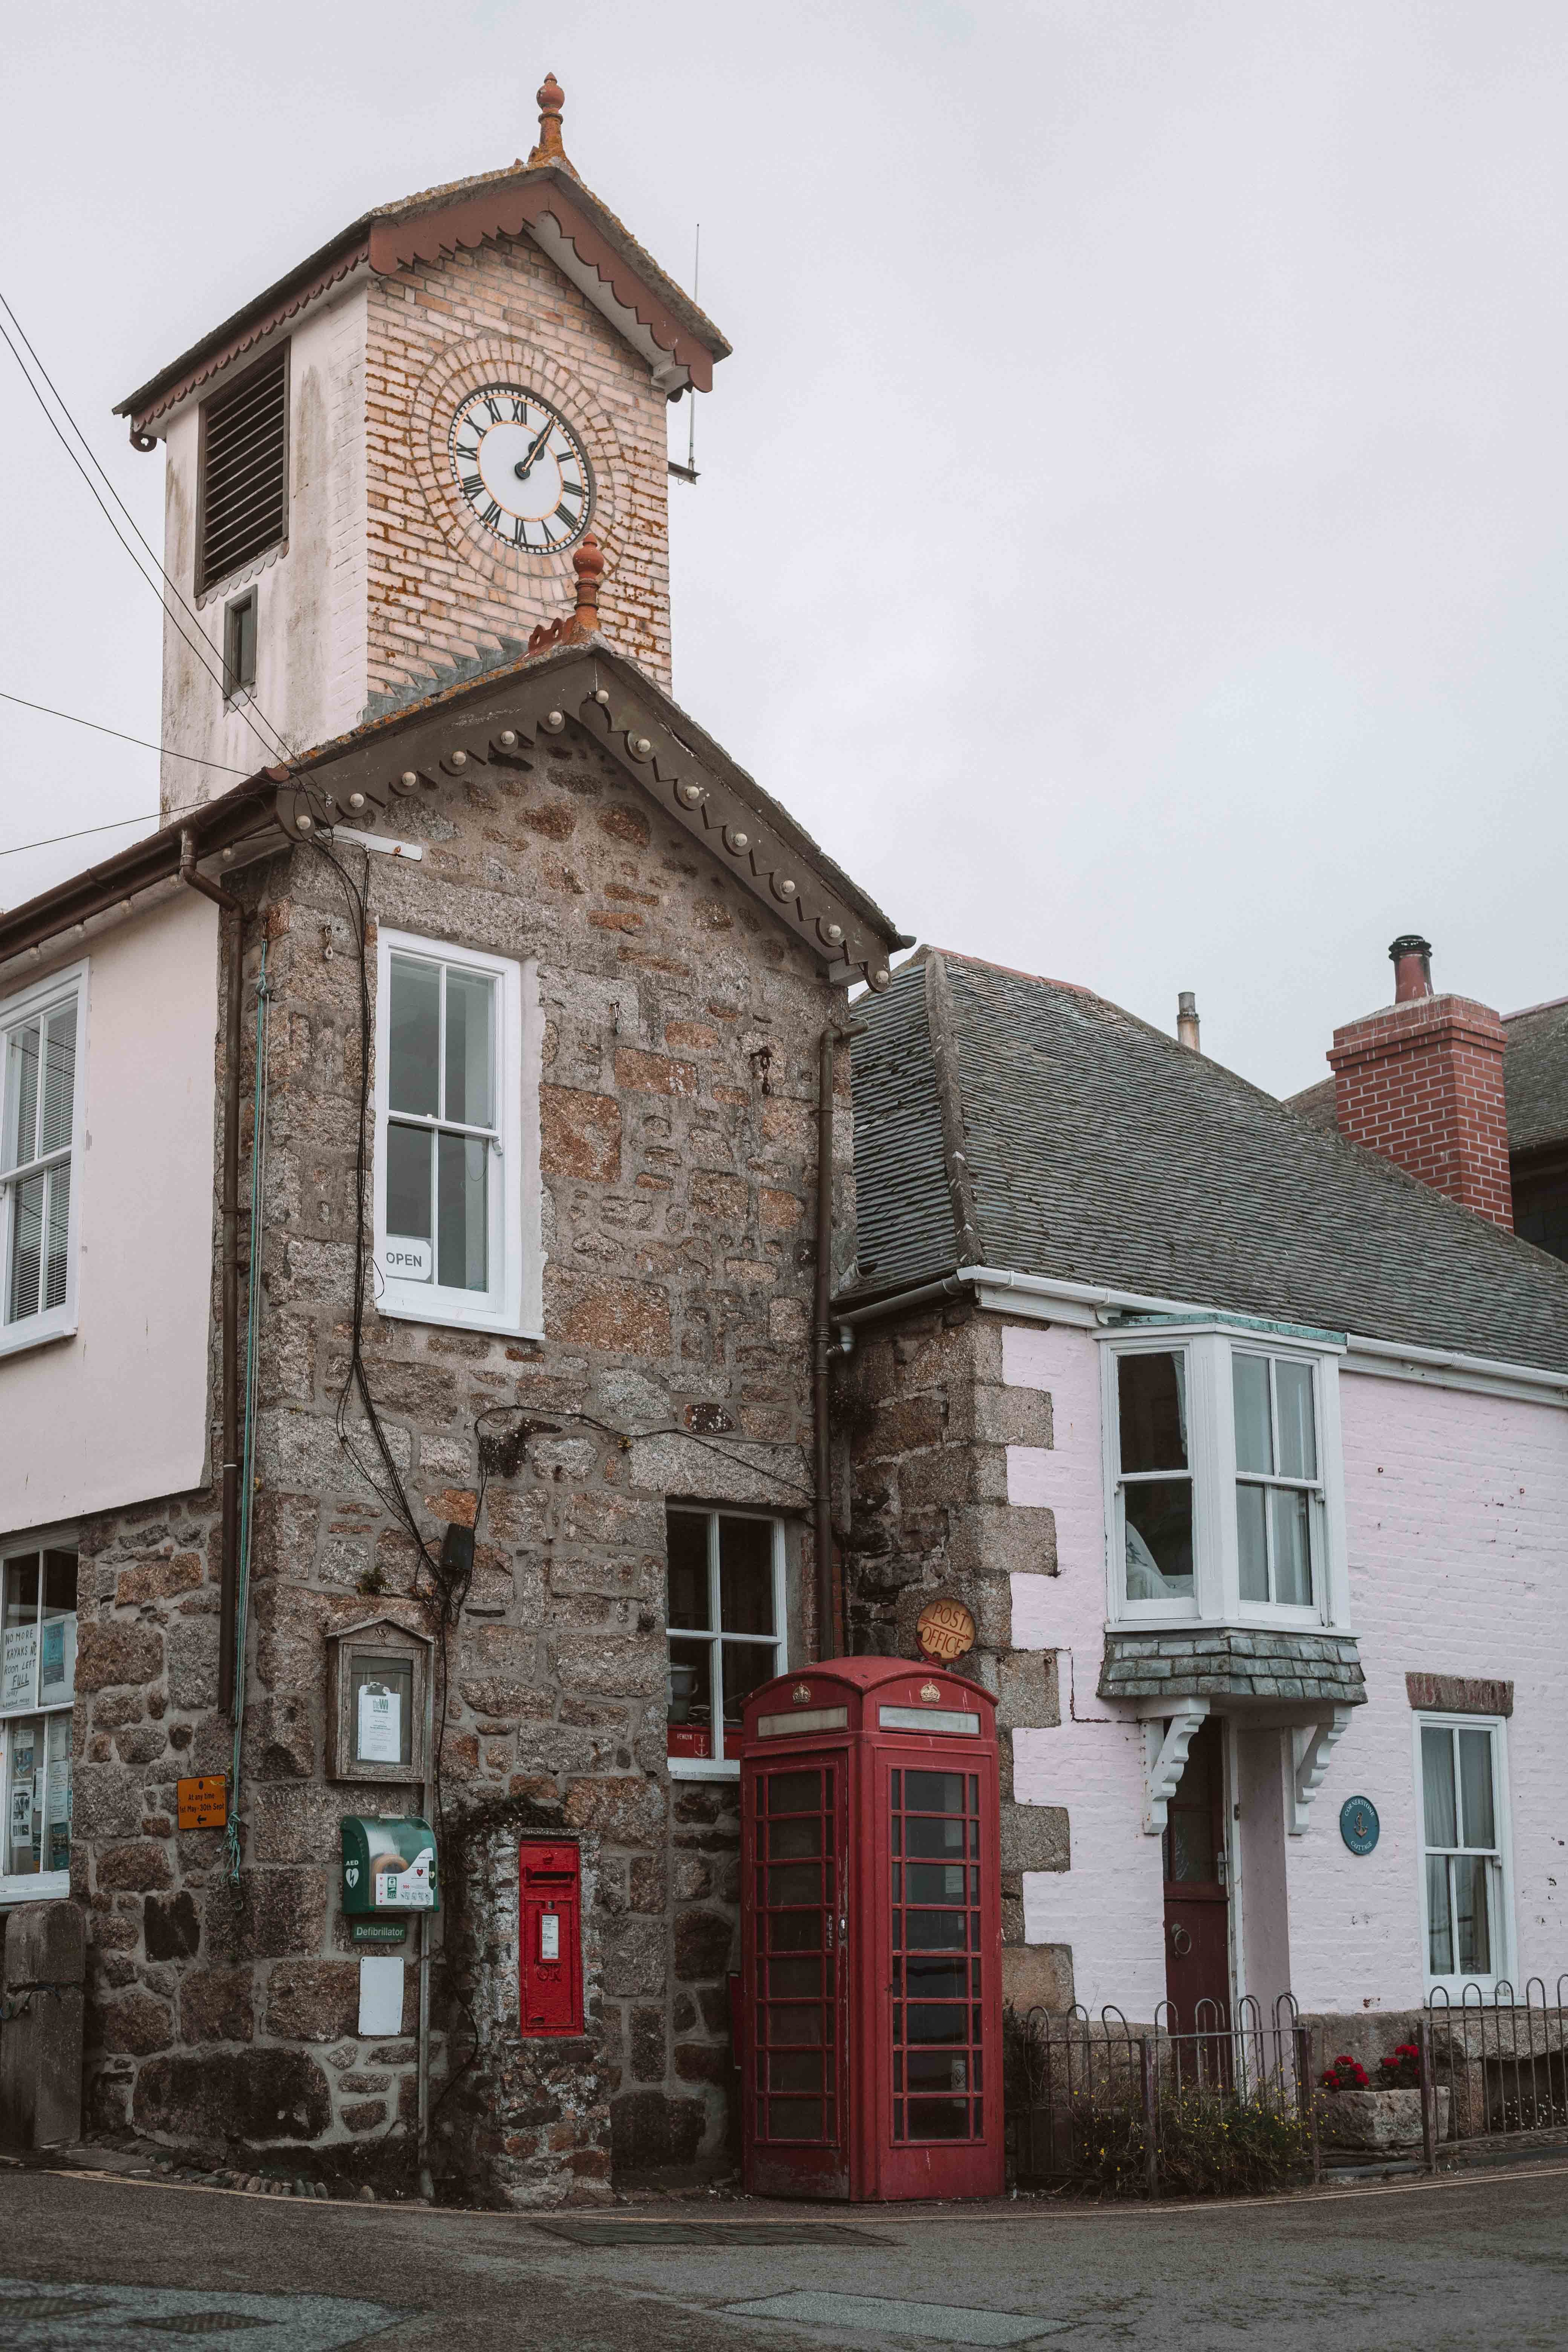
x=687 y=473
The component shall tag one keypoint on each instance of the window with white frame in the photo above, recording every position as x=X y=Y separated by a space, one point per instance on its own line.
x=40 y=1053
x=37 y=1688
x=457 y=1136
x=727 y=1628
x=1465 y=1895
x=1223 y=1496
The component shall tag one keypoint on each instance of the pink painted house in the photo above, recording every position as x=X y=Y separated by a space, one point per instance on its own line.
x=1247 y=1452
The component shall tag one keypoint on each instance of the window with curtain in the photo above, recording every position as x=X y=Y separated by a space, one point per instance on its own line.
x=1278 y=1492
x=1154 y=1480
x=39 y=1041
x=1464 y=1876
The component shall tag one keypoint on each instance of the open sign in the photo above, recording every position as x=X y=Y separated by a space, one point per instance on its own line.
x=404 y=1259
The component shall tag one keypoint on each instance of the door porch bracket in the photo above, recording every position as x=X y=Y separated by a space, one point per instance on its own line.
x=1310 y=1747
x=1167 y=1736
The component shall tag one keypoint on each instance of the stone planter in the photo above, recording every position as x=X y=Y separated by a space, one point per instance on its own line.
x=1378 y=2119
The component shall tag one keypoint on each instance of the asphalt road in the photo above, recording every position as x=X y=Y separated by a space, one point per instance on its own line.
x=92 y=2265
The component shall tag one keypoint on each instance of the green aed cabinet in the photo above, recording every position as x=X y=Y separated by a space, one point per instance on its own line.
x=389 y=1866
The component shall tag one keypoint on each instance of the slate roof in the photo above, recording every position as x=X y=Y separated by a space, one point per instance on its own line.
x=1016 y=1122
x=1534 y=1077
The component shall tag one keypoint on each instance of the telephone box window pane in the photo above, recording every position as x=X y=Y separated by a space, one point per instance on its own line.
x=795 y=1792
x=1152 y=1394
x=935 y=1792
x=788 y=1840
x=927 y=1837
x=929 y=2021
x=897 y=2120
x=936 y=1882
x=746 y=1576
x=796 y=2070
x=794 y=1979
x=975 y=1978
x=414 y=1081
x=898 y=1790
x=898 y=1870
x=936 y=2070
x=795 y=1931
x=937 y=1931
x=939 y=2118
x=687 y=1549
x=800 y=2025
x=974 y=1792
x=794 y=1882
x=936 y=1979
x=794 y=2118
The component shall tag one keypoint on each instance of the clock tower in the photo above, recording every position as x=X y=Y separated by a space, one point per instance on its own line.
x=378 y=470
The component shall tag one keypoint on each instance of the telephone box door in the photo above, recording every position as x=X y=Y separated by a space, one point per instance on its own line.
x=796 y=2055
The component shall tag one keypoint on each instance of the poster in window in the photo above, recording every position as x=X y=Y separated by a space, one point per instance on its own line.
x=18 y=1666
x=57 y=1665
x=22 y=1815
x=380 y=1725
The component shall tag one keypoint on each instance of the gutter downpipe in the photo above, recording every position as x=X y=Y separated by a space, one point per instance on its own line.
x=830 y=1635
x=233 y=1047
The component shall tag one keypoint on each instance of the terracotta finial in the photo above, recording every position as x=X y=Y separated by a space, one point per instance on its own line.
x=588 y=564
x=583 y=621
x=552 y=97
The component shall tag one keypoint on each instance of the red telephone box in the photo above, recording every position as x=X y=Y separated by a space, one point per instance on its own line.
x=550 y=1963
x=872 y=1934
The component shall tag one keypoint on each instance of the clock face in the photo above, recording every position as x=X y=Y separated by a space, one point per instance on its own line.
x=521 y=468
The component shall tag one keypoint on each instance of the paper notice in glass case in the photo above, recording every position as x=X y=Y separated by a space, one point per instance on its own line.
x=18 y=1666
x=380 y=1737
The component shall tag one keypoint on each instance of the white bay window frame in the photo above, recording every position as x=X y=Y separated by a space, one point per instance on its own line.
x=1216 y=1598
x=18 y=1013
x=512 y=1304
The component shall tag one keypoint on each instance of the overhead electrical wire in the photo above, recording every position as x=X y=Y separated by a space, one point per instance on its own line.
x=143 y=742
x=252 y=713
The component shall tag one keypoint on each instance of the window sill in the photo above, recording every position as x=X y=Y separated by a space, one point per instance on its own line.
x=1152 y=1618
x=493 y=1327
x=703 y=1768
x=42 y=1886
x=16 y=1339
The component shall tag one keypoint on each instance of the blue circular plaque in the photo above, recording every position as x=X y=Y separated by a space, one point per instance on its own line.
x=1359 y=1824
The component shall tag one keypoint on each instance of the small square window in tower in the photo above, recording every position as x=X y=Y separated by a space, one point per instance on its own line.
x=239 y=646
x=243 y=500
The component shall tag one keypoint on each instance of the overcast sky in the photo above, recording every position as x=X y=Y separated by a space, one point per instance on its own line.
x=1131 y=527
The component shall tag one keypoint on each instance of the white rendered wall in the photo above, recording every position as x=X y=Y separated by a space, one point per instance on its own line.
x=313 y=621
x=1457 y=1515
x=117 y=1415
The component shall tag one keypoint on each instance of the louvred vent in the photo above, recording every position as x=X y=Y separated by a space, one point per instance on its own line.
x=245 y=441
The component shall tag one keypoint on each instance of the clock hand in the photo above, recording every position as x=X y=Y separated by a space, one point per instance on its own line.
x=525 y=465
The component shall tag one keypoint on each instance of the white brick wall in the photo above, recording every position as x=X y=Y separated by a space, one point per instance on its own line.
x=1456 y=1510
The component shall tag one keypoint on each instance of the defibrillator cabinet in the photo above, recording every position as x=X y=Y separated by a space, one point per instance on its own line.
x=870 y=2012
x=389 y=1866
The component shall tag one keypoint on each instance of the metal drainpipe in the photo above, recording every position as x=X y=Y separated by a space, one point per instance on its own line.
x=230 y=1204
x=422 y=2126
x=830 y=1633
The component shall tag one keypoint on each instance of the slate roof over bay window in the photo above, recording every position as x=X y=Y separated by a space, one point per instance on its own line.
x=1010 y=1121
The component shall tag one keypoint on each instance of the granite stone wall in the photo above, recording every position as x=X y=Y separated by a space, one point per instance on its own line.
x=677 y=1156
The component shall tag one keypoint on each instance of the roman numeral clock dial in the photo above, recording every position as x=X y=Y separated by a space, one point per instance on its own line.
x=521 y=468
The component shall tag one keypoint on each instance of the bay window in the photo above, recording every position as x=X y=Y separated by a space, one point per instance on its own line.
x=726 y=1614
x=40 y=1052
x=37 y=1688
x=1222 y=1497
x=1465 y=1900
x=457 y=1137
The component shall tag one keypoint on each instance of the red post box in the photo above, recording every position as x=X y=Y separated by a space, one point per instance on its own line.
x=872 y=1934
x=550 y=1964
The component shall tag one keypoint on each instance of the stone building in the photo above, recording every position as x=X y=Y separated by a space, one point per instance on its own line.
x=411 y=1237
x=1247 y=1454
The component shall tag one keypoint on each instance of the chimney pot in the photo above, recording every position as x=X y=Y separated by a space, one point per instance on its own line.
x=1187 y=1020
x=1411 y=957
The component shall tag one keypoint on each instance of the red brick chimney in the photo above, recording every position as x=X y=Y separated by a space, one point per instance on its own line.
x=1421 y=1082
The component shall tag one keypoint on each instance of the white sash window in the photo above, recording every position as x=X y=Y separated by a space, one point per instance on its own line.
x=41 y=1052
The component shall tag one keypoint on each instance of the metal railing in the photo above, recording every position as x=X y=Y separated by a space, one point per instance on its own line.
x=1229 y=2104
x=1494 y=2064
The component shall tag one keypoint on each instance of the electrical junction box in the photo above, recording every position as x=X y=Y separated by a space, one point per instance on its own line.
x=389 y=1867
x=550 y=1968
